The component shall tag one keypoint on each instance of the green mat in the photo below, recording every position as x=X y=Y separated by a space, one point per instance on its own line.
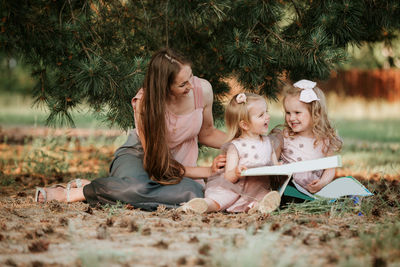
x=291 y=191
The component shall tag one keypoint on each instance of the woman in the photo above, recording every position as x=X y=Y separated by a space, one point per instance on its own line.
x=173 y=111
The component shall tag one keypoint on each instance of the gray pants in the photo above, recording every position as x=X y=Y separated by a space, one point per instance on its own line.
x=129 y=183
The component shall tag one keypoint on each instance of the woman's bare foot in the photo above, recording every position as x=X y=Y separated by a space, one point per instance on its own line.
x=55 y=193
x=59 y=194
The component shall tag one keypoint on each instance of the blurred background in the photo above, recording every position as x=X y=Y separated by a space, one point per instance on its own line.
x=363 y=100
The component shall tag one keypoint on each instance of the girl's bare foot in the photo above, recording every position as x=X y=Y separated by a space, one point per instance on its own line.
x=269 y=203
x=196 y=205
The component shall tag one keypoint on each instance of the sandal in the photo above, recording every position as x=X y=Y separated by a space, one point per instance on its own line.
x=77 y=181
x=196 y=205
x=270 y=202
x=41 y=190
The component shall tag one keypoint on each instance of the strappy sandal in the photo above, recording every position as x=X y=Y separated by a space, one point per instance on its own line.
x=41 y=190
x=196 y=205
x=77 y=181
x=270 y=202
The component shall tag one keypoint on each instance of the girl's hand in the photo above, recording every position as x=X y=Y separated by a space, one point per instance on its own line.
x=239 y=170
x=218 y=163
x=326 y=178
x=315 y=186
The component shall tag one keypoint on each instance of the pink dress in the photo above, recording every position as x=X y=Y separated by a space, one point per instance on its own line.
x=183 y=130
x=298 y=148
x=242 y=195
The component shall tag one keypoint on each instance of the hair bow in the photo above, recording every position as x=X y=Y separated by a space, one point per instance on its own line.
x=307 y=95
x=241 y=98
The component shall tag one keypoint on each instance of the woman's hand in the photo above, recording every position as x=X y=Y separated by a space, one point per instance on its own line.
x=218 y=163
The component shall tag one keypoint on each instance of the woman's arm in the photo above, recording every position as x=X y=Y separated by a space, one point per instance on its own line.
x=204 y=172
x=209 y=135
x=136 y=105
x=197 y=172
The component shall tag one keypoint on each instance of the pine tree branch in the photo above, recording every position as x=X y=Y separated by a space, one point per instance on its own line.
x=59 y=17
x=295 y=7
x=147 y=20
x=252 y=29
x=109 y=62
x=42 y=82
x=277 y=36
x=166 y=22
x=75 y=33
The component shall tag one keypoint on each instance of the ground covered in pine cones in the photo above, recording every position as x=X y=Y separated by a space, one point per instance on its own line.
x=320 y=233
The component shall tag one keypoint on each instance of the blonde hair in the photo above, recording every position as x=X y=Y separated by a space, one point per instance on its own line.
x=321 y=126
x=236 y=112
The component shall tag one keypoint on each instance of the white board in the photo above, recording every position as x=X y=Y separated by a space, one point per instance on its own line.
x=300 y=166
x=343 y=186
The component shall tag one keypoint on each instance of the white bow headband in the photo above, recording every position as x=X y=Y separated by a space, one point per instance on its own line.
x=307 y=95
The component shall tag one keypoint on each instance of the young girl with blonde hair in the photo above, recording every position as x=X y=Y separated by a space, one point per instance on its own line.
x=247 y=121
x=307 y=134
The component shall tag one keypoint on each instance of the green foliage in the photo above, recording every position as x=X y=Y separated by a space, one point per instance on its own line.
x=382 y=241
x=114 y=209
x=385 y=199
x=335 y=208
x=374 y=55
x=96 y=51
x=14 y=77
x=44 y=160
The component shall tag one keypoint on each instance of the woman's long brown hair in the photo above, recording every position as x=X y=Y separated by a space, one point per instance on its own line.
x=158 y=160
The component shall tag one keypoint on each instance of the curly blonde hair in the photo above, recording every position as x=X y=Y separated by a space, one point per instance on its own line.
x=236 y=112
x=321 y=126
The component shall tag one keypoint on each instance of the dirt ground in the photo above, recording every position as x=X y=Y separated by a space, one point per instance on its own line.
x=60 y=234
x=74 y=234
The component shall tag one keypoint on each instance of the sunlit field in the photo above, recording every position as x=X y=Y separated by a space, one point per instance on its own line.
x=370 y=129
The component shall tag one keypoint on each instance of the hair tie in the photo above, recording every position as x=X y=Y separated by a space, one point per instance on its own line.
x=241 y=98
x=307 y=95
x=170 y=58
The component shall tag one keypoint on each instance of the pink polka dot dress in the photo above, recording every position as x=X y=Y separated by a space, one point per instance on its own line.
x=299 y=148
x=242 y=195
